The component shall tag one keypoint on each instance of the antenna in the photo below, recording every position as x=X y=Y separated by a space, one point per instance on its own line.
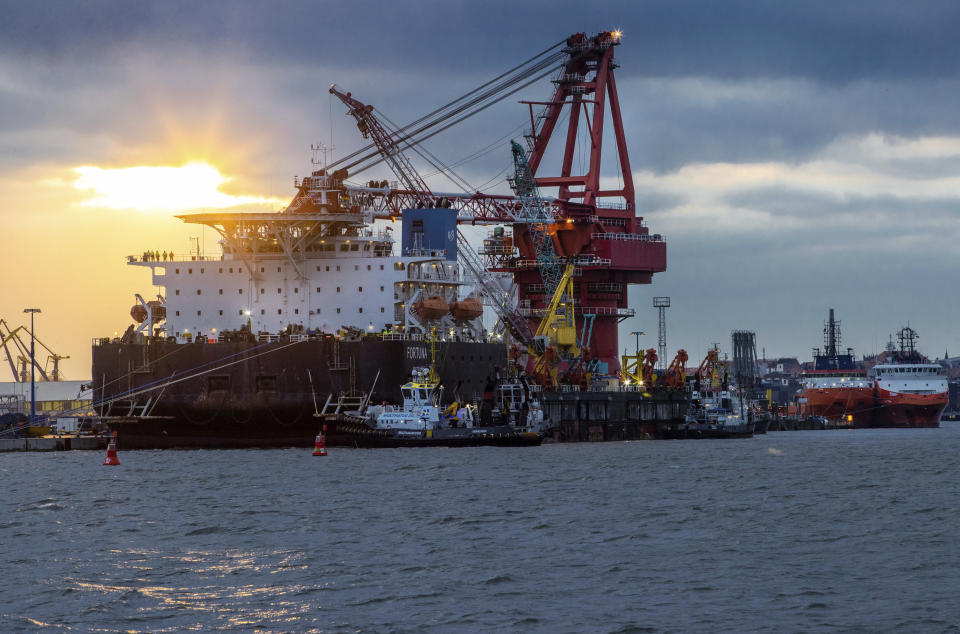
x=321 y=148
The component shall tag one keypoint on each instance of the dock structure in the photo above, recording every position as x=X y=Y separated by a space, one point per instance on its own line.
x=607 y=415
x=54 y=443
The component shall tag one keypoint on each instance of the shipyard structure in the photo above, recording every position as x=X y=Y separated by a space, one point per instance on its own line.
x=321 y=299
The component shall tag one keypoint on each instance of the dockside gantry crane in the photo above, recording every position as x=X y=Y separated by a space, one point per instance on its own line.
x=21 y=355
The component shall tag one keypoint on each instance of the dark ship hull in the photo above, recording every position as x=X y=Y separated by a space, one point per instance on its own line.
x=247 y=394
x=363 y=436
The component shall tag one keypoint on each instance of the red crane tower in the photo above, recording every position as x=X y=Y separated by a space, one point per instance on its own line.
x=596 y=229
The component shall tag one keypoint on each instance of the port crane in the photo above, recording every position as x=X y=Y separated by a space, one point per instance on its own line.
x=555 y=338
x=21 y=351
x=593 y=225
x=711 y=374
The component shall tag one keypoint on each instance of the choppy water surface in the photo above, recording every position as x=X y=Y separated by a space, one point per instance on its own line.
x=793 y=531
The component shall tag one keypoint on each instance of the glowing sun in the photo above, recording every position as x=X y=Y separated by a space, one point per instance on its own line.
x=191 y=186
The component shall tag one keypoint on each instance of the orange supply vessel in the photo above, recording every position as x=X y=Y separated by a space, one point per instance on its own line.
x=909 y=390
x=836 y=389
x=903 y=389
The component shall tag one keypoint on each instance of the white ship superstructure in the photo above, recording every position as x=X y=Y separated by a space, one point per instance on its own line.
x=312 y=268
x=910 y=378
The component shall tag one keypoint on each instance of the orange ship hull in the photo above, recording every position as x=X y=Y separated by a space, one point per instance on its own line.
x=908 y=410
x=847 y=405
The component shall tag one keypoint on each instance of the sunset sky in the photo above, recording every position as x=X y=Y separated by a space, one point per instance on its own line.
x=796 y=156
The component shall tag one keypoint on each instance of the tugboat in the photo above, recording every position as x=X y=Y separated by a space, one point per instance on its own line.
x=715 y=410
x=422 y=422
x=718 y=414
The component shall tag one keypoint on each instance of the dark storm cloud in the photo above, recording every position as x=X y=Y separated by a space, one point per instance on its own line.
x=826 y=40
x=672 y=123
x=834 y=68
x=805 y=204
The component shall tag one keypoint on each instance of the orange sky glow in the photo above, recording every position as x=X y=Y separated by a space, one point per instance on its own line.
x=75 y=227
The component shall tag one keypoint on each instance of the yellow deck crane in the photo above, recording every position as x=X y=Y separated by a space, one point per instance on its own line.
x=556 y=336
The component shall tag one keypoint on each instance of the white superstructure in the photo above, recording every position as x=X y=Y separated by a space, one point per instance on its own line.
x=317 y=266
x=910 y=378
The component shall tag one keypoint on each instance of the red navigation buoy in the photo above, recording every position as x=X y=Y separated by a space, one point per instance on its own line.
x=111 y=460
x=320 y=449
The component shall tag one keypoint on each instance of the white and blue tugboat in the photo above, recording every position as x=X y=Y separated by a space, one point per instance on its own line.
x=421 y=421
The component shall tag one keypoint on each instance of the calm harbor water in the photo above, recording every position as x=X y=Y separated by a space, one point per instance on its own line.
x=793 y=531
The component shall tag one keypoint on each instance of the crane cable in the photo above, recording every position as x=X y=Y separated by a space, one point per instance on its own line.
x=410 y=136
x=370 y=146
x=408 y=140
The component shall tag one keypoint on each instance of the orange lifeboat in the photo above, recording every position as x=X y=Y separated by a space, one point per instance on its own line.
x=466 y=309
x=139 y=313
x=432 y=308
x=159 y=310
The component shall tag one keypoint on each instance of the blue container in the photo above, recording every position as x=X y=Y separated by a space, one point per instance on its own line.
x=429 y=232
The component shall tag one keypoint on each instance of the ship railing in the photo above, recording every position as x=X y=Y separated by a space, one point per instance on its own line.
x=600 y=287
x=611 y=205
x=583 y=310
x=569 y=78
x=402 y=336
x=629 y=237
x=578 y=261
x=140 y=259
